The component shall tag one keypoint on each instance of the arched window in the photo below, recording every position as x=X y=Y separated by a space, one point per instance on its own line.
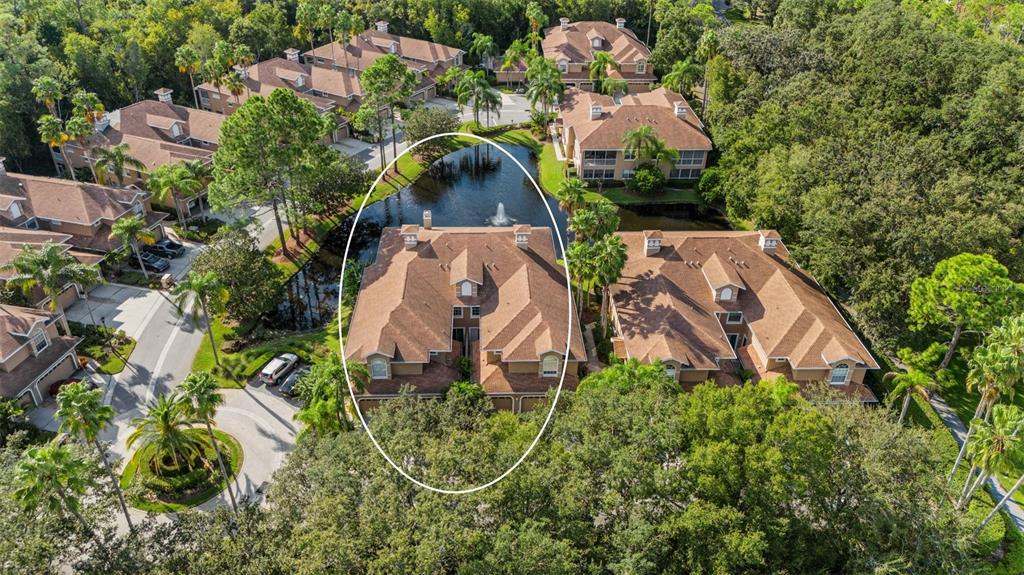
x=839 y=374
x=467 y=289
x=549 y=366
x=670 y=370
x=725 y=294
x=378 y=368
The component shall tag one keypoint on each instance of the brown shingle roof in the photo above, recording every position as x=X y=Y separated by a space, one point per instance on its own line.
x=266 y=76
x=665 y=306
x=67 y=200
x=655 y=109
x=574 y=43
x=404 y=308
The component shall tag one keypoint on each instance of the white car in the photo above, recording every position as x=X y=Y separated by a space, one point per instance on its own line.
x=277 y=368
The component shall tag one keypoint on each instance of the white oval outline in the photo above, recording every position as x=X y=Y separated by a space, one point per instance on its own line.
x=568 y=339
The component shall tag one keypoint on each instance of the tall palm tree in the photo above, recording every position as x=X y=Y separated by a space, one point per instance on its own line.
x=474 y=89
x=490 y=101
x=325 y=21
x=483 y=47
x=48 y=91
x=170 y=182
x=582 y=267
x=235 y=86
x=610 y=259
x=80 y=130
x=914 y=382
x=208 y=292
x=993 y=448
x=614 y=86
x=683 y=76
x=51 y=269
x=306 y=20
x=51 y=133
x=54 y=476
x=571 y=195
x=244 y=57
x=707 y=48
x=199 y=171
x=131 y=230
x=599 y=68
x=87 y=105
x=987 y=373
x=115 y=160
x=537 y=18
x=639 y=141
x=200 y=399
x=82 y=414
x=342 y=24
x=451 y=77
x=187 y=60
x=544 y=83
x=659 y=152
x=165 y=429
x=514 y=55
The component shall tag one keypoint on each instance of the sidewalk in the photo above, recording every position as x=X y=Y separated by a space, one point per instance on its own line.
x=959 y=432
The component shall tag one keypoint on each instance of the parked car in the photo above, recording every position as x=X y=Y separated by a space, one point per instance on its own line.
x=277 y=368
x=153 y=263
x=166 y=248
x=288 y=387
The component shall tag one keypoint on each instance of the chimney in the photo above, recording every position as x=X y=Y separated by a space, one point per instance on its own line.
x=410 y=235
x=768 y=240
x=292 y=54
x=428 y=220
x=394 y=47
x=3 y=168
x=652 y=242
x=564 y=22
x=382 y=26
x=164 y=95
x=101 y=124
x=620 y=23
x=522 y=234
x=681 y=110
x=595 y=112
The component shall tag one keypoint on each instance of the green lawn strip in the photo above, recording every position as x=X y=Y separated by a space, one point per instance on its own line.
x=114 y=364
x=137 y=471
x=623 y=196
x=95 y=346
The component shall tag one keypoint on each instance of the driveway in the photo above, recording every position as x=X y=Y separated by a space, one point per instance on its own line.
x=515 y=109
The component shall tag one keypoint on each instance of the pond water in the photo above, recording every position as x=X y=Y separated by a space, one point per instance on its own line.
x=462 y=189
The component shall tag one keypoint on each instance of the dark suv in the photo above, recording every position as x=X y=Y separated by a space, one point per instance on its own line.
x=166 y=248
x=153 y=263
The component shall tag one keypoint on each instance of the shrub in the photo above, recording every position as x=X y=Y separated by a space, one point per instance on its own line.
x=465 y=367
x=647 y=180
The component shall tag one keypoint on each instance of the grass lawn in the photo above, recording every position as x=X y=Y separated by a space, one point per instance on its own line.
x=94 y=345
x=623 y=196
x=204 y=229
x=138 y=472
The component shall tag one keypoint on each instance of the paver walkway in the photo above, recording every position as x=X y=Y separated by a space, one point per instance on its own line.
x=594 y=365
x=959 y=433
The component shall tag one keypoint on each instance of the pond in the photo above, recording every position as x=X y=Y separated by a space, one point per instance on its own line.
x=462 y=189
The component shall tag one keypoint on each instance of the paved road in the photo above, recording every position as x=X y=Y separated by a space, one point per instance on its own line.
x=959 y=432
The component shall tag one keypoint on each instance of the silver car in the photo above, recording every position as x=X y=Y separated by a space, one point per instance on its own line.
x=277 y=368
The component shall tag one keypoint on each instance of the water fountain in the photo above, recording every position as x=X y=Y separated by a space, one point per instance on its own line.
x=500 y=219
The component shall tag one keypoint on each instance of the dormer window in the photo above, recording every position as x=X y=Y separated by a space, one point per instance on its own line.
x=563 y=66
x=15 y=210
x=138 y=209
x=378 y=368
x=654 y=244
x=300 y=81
x=550 y=366
x=394 y=47
x=726 y=294
x=641 y=67
x=466 y=289
x=176 y=130
x=840 y=374
x=596 y=42
x=39 y=342
x=670 y=370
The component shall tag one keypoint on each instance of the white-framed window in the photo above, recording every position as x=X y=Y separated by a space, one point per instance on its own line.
x=840 y=373
x=690 y=158
x=734 y=317
x=670 y=370
x=627 y=174
x=629 y=155
x=641 y=67
x=39 y=342
x=300 y=81
x=549 y=366
x=378 y=368
x=175 y=130
x=725 y=294
x=457 y=312
x=15 y=210
x=599 y=157
x=599 y=174
x=466 y=289
x=677 y=174
x=563 y=66
x=474 y=311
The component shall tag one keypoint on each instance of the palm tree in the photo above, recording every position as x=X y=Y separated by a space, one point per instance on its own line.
x=199 y=171
x=87 y=105
x=200 y=399
x=51 y=269
x=993 y=448
x=187 y=60
x=451 y=77
x=115 y=160
x=537 y=18
x=707 y=48
x=490 y=101
x=646 y=146
x=610 y=259
x=683 y=76
x=580 y=257
x=235 y=86
x=306 y=20
x=165 y=429
x=474 y=87
x=51 y=133
x=131 y=230
x=342 y=23
x=659 y=152
x=169 y=182
x=82 y=414
x=544 y=83
x=514 y=55
x=48 y=92
x=571 y=195
x=483 y=46
x=913 y=382
x=52 y=475
x=208 y=292
x=603 y=62
x=614 y=86
x=79 y=129
x=325 y=21
x=244 y=57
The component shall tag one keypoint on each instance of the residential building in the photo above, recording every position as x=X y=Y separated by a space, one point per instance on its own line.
x=494 y=295
x=572 y=46
x=33 y=354
x=83 y=211
x=427 y=59
x=15 y=240
x=591 y=128
x=329 y=93
x=707 y=304
x=157 y=132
